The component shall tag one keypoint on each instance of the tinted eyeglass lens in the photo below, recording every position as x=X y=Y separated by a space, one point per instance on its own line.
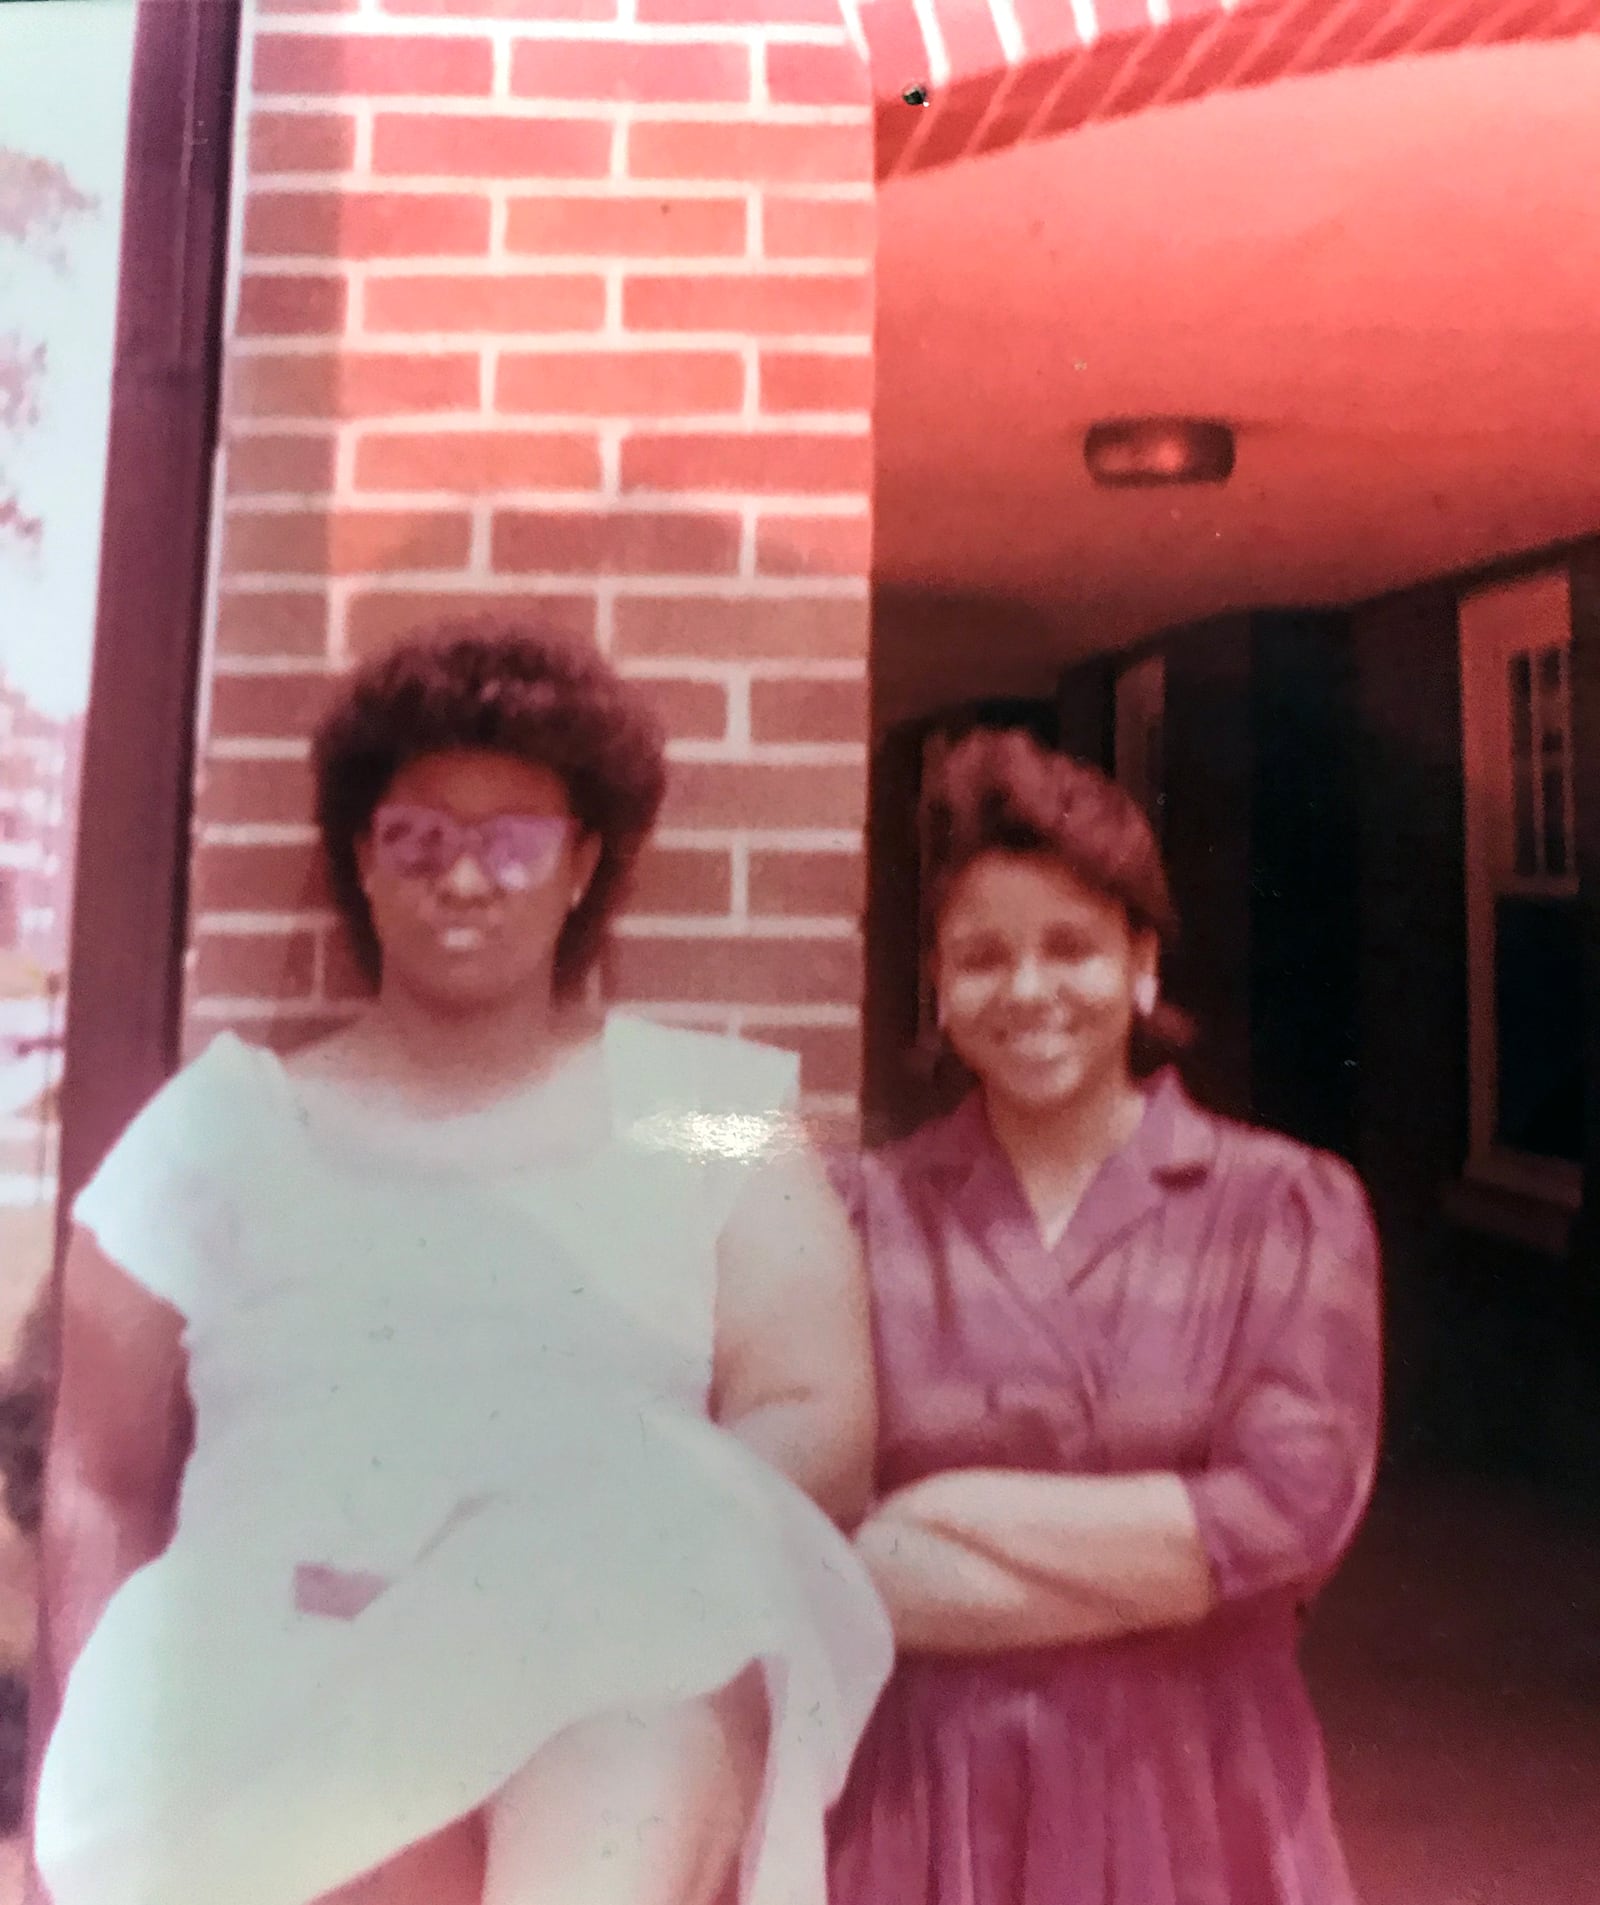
x=517 y=851
x=411 y=843
x=521 y=851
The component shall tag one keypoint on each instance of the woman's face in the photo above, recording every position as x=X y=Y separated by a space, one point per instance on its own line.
x=1037 y=977
x=470 y=868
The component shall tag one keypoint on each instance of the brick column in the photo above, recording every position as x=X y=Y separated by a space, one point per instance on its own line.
x=561 y=305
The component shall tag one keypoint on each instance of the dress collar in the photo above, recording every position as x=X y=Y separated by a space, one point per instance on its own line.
x=1175 y=1139
x=969 y=1169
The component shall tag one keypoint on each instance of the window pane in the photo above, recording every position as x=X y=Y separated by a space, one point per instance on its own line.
x=1539 y=1027
x=1555 y=821
x=1521 y=667
x=1555 y=749
x=1522 y=778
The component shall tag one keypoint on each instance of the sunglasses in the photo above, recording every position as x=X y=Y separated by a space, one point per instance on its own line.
x=516 y=851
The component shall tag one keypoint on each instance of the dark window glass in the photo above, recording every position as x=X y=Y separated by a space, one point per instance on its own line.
x=1539 y=1027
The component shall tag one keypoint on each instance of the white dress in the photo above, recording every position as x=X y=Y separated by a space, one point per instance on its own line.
x=447 y=1354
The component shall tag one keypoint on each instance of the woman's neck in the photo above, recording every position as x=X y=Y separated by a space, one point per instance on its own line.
x=460 y=1060
x=1057 y=1149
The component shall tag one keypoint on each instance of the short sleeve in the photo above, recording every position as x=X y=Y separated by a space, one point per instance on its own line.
x=758 y=1080
x=159 y=1205
x=749 y=1101
x=721 y=1106
x=1294 y=1454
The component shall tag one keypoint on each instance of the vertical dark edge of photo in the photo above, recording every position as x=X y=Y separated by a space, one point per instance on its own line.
x=131 y=874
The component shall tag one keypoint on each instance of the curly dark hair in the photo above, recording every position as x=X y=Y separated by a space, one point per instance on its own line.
x=509 y=688
x=1000 y=790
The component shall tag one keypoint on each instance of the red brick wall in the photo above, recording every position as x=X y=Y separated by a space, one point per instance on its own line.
x=563 y=305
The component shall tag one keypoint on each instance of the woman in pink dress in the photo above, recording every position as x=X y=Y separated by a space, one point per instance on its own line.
x=1129 y=1359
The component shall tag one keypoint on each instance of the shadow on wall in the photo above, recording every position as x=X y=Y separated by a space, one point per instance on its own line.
x=934 y=651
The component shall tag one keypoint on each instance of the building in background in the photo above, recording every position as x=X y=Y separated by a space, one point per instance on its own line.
x=41 y=758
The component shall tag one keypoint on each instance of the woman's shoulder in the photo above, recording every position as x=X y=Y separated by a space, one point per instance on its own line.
x=888 y=1167
x=942 y=1141
x=200 y=1106
x=200 y=1125
x=1265 y=1151
x=159 y=1194
x=1309 y=1184
x=685 y=1068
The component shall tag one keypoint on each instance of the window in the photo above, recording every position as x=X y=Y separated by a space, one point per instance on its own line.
x=1524 y=957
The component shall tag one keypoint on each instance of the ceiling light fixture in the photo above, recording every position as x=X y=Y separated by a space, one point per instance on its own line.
x=1135 y=452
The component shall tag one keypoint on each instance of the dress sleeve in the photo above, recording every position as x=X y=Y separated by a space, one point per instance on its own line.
x=1294 y=1453
x=158 y=1206
x=748 y=1099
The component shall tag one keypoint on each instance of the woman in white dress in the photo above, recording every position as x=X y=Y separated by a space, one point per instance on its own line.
x=458 y=1421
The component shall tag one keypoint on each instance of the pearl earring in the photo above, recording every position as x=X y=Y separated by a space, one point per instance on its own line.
x=1144 y=997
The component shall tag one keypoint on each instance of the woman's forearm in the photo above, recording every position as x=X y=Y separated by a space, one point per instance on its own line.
x=804 y=1440
x=946 y=1597
x=1127 y=1546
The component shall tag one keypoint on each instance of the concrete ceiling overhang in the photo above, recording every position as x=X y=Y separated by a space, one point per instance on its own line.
x=997 y=73
x=1387 y=278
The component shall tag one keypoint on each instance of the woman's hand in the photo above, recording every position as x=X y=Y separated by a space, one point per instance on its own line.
x=338 y=1594
x=933 y=1497
x=977 y=1560
x=946 y=1597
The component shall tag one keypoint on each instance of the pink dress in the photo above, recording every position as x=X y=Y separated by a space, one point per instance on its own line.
x=1213 y=1309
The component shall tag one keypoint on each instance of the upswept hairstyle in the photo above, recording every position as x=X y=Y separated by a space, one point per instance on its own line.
x=510 y=688
x=999 y=790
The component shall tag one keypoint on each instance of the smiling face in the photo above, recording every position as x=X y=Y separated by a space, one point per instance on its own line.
x=1038 y=978
x=467 y=913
